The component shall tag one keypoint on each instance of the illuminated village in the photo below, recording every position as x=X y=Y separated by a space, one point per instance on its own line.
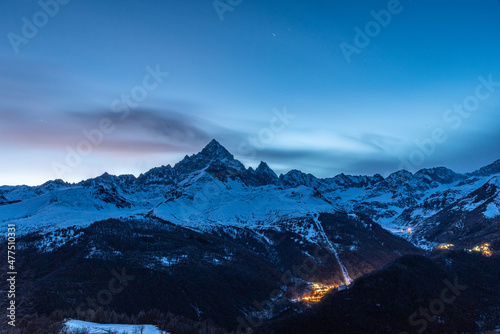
x=316 y=293
x=484 y=249
x=407 y=230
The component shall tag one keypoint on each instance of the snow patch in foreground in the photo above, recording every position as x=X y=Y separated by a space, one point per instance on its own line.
x=94 y=328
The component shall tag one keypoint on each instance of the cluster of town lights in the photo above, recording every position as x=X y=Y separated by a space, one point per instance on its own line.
x=316 y=293
x=484 y=249
x=447 y=246
x=407 y=230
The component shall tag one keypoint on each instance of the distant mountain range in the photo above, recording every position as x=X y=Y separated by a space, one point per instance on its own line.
x=212 y=189
x=210 y=238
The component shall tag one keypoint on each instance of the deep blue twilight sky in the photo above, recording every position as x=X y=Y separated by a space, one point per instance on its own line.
x=228 y=79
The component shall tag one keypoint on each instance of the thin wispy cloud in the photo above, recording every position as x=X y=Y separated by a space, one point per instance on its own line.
x=146 y=130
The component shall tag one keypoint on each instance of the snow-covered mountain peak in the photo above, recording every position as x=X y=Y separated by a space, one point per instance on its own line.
x=266 y=171
x=158 y=175
x=108 y=179
x=491 y=169
x=400 y=175
x=214 y=154
x=377 y=178
x=295 y=178
x=355 y=181
x=441 y=175
x=215 y=150
x=56 y=182
x=399 y=179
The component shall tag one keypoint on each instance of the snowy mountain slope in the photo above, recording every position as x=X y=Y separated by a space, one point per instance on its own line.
x=470 y=219
x=209 y=203
x=66 y=207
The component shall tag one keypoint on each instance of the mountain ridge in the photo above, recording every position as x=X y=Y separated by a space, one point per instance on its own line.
x=214 y=148
x=212 y=188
